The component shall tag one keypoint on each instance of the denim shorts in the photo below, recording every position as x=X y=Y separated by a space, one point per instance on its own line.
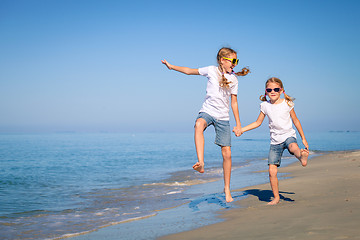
x=222 y=129
x=276 y=151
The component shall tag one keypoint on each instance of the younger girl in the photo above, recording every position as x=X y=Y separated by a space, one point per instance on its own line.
x=222 y=84
x=280 y=113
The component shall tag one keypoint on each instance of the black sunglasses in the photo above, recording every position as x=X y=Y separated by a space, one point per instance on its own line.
x=269 y=90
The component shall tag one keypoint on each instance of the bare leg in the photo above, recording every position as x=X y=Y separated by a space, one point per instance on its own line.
x=301 y=154
x=200 y=126
x=274 y=182
x=226 y=153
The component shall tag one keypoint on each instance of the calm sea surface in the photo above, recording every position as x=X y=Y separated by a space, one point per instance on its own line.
x=54 y=185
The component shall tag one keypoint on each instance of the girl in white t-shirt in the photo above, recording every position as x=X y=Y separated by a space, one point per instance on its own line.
x=281 y=115
x=222 y=85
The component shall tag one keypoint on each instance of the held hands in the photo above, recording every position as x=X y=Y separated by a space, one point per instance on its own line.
x=237 y=130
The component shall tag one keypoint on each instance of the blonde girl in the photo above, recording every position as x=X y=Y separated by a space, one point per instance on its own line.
x=222 y=84
x=281 y=116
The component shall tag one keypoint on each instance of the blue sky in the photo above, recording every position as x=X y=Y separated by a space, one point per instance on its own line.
x=92 y=66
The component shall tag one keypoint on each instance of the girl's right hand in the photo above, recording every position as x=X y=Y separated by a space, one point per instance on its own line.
x=306 y=144
x=168 y=65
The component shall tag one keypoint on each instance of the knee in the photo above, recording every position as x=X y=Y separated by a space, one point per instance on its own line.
x=273 y=171
x=294 y=148
x=226 y=152
x=200 y=124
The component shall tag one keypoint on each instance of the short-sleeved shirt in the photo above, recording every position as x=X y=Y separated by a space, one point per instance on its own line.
x=217 y=100
x=280 y=123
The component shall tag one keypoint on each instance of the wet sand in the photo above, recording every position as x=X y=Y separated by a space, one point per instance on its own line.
x=320 y=201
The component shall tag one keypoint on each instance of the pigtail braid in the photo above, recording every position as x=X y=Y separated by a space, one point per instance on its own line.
x=244 y=71
x=224 y=83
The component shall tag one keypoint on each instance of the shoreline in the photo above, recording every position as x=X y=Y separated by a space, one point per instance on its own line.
x=100 y=209
x=320 y=201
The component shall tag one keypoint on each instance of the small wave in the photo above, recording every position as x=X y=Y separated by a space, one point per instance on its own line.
x=173 y=192
x=126 y=214
x=184 y=183
x=214 y=171
x=69 y=235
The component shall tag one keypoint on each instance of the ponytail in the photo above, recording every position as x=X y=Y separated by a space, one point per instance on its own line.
x=263 y=98
x=289 y=100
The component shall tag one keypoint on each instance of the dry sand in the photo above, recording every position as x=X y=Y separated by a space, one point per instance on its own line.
x=320 y=201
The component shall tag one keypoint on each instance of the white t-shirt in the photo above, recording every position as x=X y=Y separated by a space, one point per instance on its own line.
x=280 y=123
x=217 y=101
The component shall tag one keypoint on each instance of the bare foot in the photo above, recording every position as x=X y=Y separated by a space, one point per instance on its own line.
x=228 y=196
x=274 y=201
x=199 y=167
x=304 y=156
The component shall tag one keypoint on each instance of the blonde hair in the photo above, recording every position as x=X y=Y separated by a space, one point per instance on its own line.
x=225 y=52
x=289 y=100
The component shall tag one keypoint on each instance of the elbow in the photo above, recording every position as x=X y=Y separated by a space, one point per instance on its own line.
x=296 y=122
x=234 y=103
x=257 y=124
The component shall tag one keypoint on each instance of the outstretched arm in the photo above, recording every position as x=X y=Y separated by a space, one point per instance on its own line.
x=298 y=126
x=255 y=124
x=235 y=110
x=186 y=70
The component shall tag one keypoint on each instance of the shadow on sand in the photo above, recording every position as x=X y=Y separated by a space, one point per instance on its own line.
x=219 y=198
x=216 y=198
x=266 y=195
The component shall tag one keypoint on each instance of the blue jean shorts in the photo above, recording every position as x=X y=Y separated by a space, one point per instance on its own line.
x=276 y=151
x=222 y=129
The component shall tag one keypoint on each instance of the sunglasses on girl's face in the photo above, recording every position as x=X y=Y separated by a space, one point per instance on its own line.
x=232 y=60
x=269 y=90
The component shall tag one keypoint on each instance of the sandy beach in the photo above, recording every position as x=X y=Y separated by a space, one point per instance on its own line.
x=320 y=201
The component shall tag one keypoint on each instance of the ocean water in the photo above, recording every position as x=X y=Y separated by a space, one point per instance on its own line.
x=60 y=185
